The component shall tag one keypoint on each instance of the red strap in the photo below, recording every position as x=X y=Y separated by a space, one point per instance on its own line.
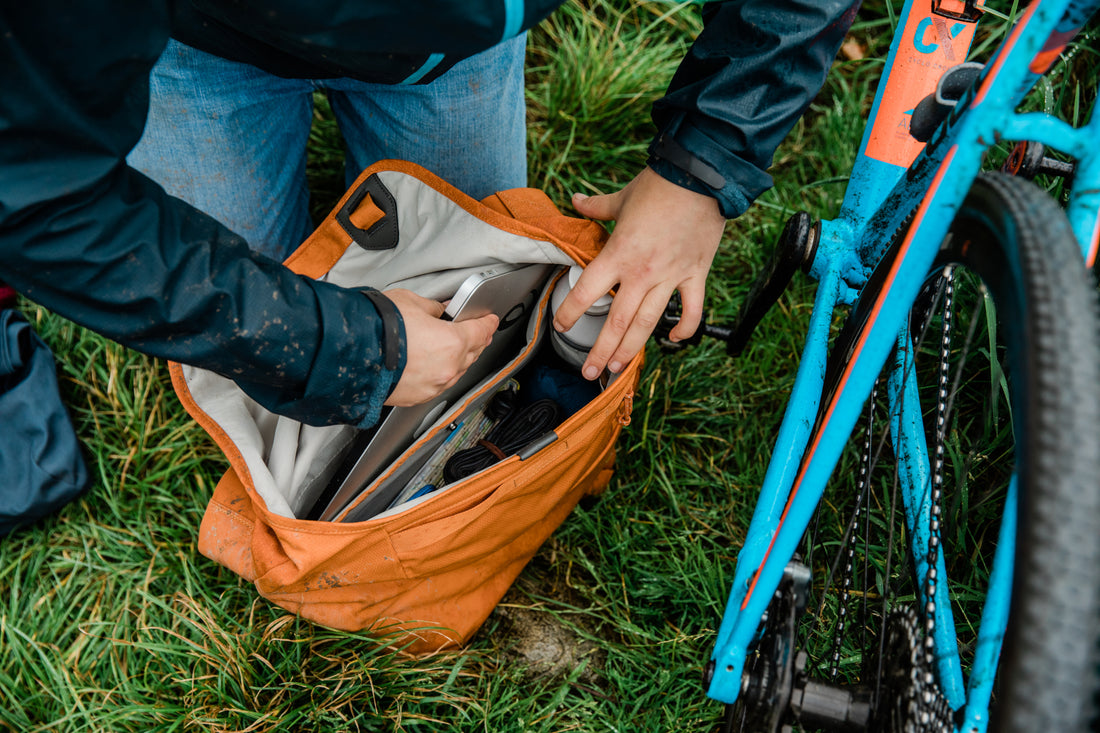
x=7 y=296
x=492 y=448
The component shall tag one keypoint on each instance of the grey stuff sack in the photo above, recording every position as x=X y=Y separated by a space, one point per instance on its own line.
x=41 y=468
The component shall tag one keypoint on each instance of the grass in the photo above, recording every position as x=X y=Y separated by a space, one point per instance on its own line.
x=110 y=620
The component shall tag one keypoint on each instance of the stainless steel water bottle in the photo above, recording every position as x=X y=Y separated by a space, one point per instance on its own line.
x=573 y=345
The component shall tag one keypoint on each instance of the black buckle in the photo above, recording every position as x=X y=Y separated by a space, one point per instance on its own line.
x=968 y=11
x=382 y=234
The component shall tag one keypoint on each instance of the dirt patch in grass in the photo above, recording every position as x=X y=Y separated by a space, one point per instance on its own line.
x=546 y=645
x=540 y=623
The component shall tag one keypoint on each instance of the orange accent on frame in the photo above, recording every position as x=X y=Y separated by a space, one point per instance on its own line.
x=930 y=44
x=1094 y=248
x=1051 y=50
x=956 y=7
x=890 y=277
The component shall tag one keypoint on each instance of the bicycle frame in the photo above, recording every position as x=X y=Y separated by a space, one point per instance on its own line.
x=895 y=177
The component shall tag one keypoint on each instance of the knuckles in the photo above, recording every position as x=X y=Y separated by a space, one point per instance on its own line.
x=617 y=323
x=447 y=375
x=646 y=320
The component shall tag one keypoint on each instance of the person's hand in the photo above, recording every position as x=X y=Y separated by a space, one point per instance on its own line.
x=664 y=240
x=439 y=352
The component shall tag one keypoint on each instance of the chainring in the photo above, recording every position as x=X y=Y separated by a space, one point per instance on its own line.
x=910 y=701
x=763 y=706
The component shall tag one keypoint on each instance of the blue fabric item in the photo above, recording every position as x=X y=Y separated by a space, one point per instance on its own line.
x=513 y=18
x=230 y=139
x=432 y=62
x=374 y=40
x=40 y=459
x=749 y=76
x=565 y=387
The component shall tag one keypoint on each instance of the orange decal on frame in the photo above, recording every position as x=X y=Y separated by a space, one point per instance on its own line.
x=930 y=45
x=1094 y=247
x=1051 y=50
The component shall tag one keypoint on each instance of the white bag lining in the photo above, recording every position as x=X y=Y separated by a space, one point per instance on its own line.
x=440 y=244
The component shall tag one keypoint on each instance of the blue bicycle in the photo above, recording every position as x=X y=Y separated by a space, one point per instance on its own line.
x=956 y=414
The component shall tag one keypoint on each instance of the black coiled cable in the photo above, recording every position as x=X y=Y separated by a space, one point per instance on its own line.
x=509 y=436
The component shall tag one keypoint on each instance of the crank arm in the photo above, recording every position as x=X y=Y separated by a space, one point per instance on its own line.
x=795 y=251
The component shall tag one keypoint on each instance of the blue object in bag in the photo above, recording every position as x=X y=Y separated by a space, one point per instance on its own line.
x=41 y=468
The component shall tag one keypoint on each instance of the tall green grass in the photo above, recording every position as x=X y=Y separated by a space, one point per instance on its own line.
x=110 y=620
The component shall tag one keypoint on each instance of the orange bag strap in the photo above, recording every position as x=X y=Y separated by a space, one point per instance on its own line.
x=581 y=238
x=525 y=204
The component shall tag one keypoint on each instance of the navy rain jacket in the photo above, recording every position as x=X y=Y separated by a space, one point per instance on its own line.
x=97 y=242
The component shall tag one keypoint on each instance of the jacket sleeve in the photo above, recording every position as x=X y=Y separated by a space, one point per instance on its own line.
x=749 y=76
x=95 y=241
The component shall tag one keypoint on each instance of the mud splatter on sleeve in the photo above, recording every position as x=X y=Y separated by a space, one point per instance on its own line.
x=98 y=243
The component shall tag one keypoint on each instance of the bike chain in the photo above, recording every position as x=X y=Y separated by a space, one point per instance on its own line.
x=937 y=470
x=853 y=529
x=917 y=703
x=912 y=702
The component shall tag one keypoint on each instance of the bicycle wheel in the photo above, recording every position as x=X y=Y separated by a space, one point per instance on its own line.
x=1008 y=400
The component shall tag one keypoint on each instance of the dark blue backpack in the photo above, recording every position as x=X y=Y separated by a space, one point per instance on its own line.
x=41 y=468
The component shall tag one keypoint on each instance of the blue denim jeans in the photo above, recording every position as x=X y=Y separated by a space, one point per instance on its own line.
x=231 y=139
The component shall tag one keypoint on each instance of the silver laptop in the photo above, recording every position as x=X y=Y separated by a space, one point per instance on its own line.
x=509 y=291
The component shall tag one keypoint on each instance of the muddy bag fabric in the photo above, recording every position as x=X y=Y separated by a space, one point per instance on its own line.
x=40 y=459
x=427 y=572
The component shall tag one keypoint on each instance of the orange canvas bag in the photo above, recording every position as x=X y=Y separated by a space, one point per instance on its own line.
x=433 y=569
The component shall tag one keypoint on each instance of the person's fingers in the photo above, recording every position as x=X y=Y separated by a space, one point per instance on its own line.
x=619 y=317
x=477 y=333
x=629 y=324
x=601 y=275
x=604 y=207
x=433 y=307
x=664 y=240
x=438 y=352
x=692 y=296
x=595 y=282
x=407 y=299
x=642 y=323
x=471 y=336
